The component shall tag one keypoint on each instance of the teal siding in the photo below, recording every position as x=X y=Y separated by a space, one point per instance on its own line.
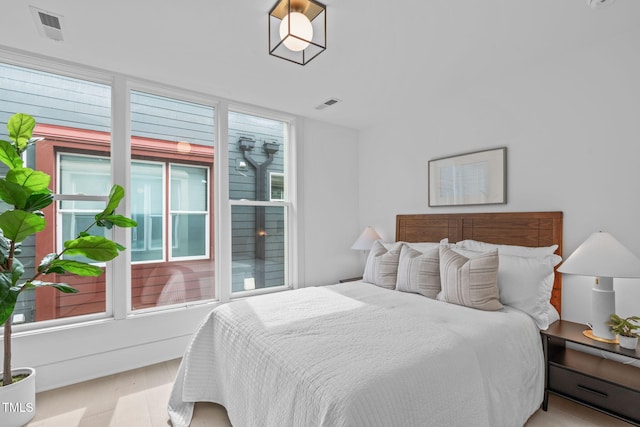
x=156 y=117
x=242 y=185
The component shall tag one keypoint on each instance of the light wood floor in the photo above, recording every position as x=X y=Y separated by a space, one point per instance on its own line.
x=139 y=398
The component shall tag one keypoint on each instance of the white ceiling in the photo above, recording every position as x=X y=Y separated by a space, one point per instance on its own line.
x=379 y=54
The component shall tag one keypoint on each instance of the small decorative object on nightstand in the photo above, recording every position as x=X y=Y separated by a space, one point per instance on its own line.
x=625 y=328
x=596 y=382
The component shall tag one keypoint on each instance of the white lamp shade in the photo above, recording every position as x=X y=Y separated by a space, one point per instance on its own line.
x=601 y=255
x=295 y=31
x=366 y=239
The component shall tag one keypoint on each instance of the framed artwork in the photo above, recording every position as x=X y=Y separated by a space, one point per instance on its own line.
x=477 y=178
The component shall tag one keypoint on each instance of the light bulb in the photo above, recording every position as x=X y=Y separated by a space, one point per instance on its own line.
x=300 y=27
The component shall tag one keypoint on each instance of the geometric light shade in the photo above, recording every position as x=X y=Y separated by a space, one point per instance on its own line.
x=297 y=30
x=601 y=255
x=366 y=239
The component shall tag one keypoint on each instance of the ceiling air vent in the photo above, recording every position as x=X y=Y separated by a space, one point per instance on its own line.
x=49 y=24
x=328 y=103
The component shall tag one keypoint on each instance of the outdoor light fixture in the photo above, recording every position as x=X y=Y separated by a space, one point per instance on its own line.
x=297 y=30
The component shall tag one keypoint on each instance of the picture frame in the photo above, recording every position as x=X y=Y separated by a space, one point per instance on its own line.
x=476 y=178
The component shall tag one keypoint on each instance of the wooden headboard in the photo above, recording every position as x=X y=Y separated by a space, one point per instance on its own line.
x=504 y=228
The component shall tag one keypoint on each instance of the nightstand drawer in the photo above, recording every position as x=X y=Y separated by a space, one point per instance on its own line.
x=601 y=394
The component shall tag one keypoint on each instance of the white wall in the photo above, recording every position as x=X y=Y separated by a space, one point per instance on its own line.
x=330 y=203
x=572 y=127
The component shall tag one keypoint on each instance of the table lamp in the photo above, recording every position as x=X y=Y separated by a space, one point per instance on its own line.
x=366 y=239
x=603 y=257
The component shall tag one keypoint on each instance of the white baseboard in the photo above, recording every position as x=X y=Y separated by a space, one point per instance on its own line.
x=81 y=352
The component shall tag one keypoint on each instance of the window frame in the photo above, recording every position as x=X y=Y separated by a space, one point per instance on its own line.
x=118 y=271
x=289 y=204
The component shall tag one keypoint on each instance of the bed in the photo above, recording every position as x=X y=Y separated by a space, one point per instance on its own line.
x=362 y=354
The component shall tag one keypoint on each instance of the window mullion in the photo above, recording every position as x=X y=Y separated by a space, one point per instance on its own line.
x=119 y=273
x=223 y=208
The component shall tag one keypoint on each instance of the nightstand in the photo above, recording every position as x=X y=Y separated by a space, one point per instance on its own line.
x=601 y=384
x=350 y=279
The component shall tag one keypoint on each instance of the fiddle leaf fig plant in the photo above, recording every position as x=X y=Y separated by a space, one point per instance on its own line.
x=26 y=192
x=624 y=327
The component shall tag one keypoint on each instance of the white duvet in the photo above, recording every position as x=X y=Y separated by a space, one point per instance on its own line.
x=355 y=354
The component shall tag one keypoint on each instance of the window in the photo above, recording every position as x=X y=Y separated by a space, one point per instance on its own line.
x=172 y=147
x=259 y=206
x=189 y=212
x=169 y=158
x=80 y=175
x=78 y=106
x=147 y=208
x=276 y=186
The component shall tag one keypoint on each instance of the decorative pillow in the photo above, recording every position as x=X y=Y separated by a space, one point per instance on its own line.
x=472 y=282
x=381 y=268
x=515 y=250
x=553 y=313
x=526 y=283
x=419 y=272
x=423 y=246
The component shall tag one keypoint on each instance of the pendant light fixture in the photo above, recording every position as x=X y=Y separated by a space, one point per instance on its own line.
x=297 y=30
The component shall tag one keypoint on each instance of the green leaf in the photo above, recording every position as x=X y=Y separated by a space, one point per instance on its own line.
x=9 y=156
x=62 y=287
x=115 y=196
x=45 y=265
x=31 y=180
x=8 y=296
x=20 y=127
x=17 y=270
x=97 y=248
x=13 y=194
x=120 y=221
x=38 y=201
x=76 y=267
x=17 y=225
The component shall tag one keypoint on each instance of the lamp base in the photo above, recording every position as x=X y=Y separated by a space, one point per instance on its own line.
x=589 y=334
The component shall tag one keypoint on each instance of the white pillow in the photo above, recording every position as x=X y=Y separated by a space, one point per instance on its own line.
x=423 y=246
x=419 y=272
x=523 y=251
x=471 y=282
x=526 y=283
x=418 y=246
x=553 y=314
x=381 y=268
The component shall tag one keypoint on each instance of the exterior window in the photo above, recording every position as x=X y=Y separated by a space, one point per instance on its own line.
x=189 y=212
x=276 y=185
x=147 y=208
x=259 y=203
x=80 y=175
